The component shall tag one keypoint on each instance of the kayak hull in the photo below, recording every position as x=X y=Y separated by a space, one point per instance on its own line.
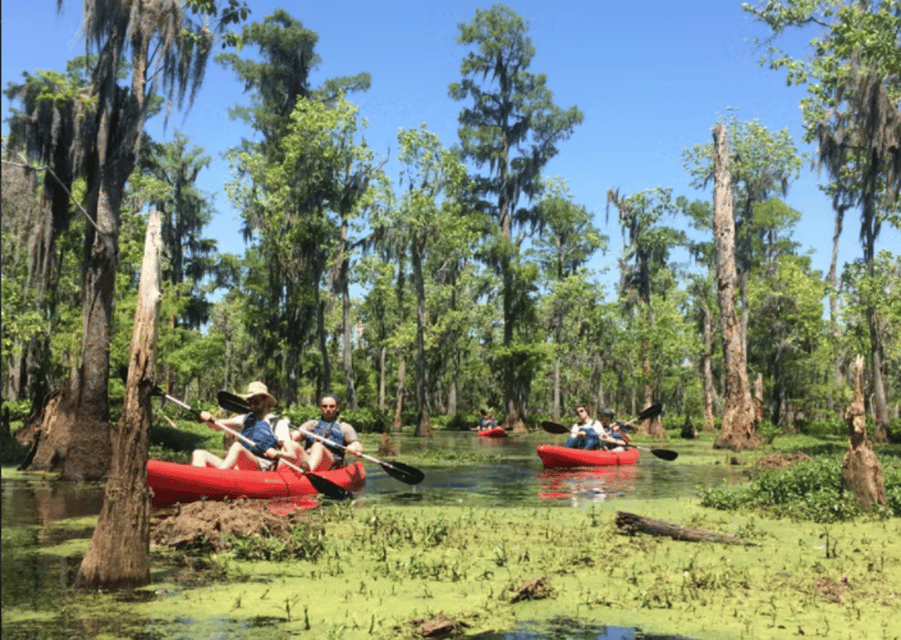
x=555 y=457
x=173 y=482
x=496 y=432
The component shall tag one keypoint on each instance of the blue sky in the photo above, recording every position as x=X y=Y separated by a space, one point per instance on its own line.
x=652 y=78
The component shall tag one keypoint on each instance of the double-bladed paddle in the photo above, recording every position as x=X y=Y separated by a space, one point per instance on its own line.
x=650 y=412
x=403 y=472
x=323 y=485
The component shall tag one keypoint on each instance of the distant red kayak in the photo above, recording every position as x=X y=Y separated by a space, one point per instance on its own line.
x=496 y=432
x=555 y=457
x=173 y=482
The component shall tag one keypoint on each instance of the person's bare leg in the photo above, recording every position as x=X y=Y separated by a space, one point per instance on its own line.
x=203 y=458
x=316 y=454
x=298 y=456
x=231 y=458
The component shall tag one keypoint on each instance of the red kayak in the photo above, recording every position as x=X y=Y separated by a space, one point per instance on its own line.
x=495 y=432
x=173 y=482
x=555 y=457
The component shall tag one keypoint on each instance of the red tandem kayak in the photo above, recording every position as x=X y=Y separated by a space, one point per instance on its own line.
x=173 y=482
x=496 y=432
x=555 y=457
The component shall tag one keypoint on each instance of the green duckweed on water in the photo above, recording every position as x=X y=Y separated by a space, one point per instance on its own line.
x=377 y=569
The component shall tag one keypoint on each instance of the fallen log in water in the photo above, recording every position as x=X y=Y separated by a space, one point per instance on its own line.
x=632 y=524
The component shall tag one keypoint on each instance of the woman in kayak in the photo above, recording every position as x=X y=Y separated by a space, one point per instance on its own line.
x=267 y=431
x=586 y=433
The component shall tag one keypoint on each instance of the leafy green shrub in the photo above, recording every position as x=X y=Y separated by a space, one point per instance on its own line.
x=894 y=429
x=10 y=449
x=810 y=490
x=769 y=431
x=670 y=422
x=18 y=411
x=831 y=425
x=166 y=437
x=366 y=420
x=456 y=422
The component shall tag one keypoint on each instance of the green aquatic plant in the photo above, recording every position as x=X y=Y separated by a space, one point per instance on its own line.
x=810 y=490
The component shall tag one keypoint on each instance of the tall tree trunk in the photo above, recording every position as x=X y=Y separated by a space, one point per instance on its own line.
x=880 y=405
x=654 y=425
x=401 y=389
x=351 y=393
x=119 y=554
x=738 y=431
x=707 y=370
x=423 y=428
x=383 y=372
x=861 y=469
x=452 y=389
x=325 y=382
x=555 y=410
x=832 y=279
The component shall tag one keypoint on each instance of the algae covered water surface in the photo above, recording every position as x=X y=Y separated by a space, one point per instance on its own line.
x=388 y=566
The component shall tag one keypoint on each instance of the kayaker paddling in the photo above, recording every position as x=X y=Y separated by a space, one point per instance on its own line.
x=612 y=435
x=315 y=455
x=586 y=433
x=265 y=430
x=488 y=421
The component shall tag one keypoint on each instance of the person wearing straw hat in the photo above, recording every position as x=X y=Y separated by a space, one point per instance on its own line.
x=268 y=432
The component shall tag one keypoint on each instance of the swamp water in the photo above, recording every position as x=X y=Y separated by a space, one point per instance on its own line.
x=46 y=527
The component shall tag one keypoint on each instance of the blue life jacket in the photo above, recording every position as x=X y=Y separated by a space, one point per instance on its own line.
x=331 y=431
x=260 y=432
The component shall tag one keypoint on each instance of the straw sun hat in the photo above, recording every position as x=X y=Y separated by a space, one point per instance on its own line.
x=259 y=389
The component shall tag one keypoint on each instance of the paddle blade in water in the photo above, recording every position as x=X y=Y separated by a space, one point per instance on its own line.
x=403 y=472
x=665 y=454
x=328 y=488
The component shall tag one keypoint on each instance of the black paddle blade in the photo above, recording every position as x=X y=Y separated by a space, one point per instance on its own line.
x=328 y=488
x=403 y=472
x=651 y=412
x=665 y=454
x=553 y=427
x=231 y=402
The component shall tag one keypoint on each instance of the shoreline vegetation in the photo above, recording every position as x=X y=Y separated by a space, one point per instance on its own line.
x=404 y=571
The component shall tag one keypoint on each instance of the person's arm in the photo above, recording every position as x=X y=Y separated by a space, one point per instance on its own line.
x=351 y=441
x=235 y=422
x=309 y=425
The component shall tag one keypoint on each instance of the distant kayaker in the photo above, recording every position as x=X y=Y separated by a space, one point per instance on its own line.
x=613 y=436
x=313 y=454
x=488 y=422
x=257 y=426
x=586 y=433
